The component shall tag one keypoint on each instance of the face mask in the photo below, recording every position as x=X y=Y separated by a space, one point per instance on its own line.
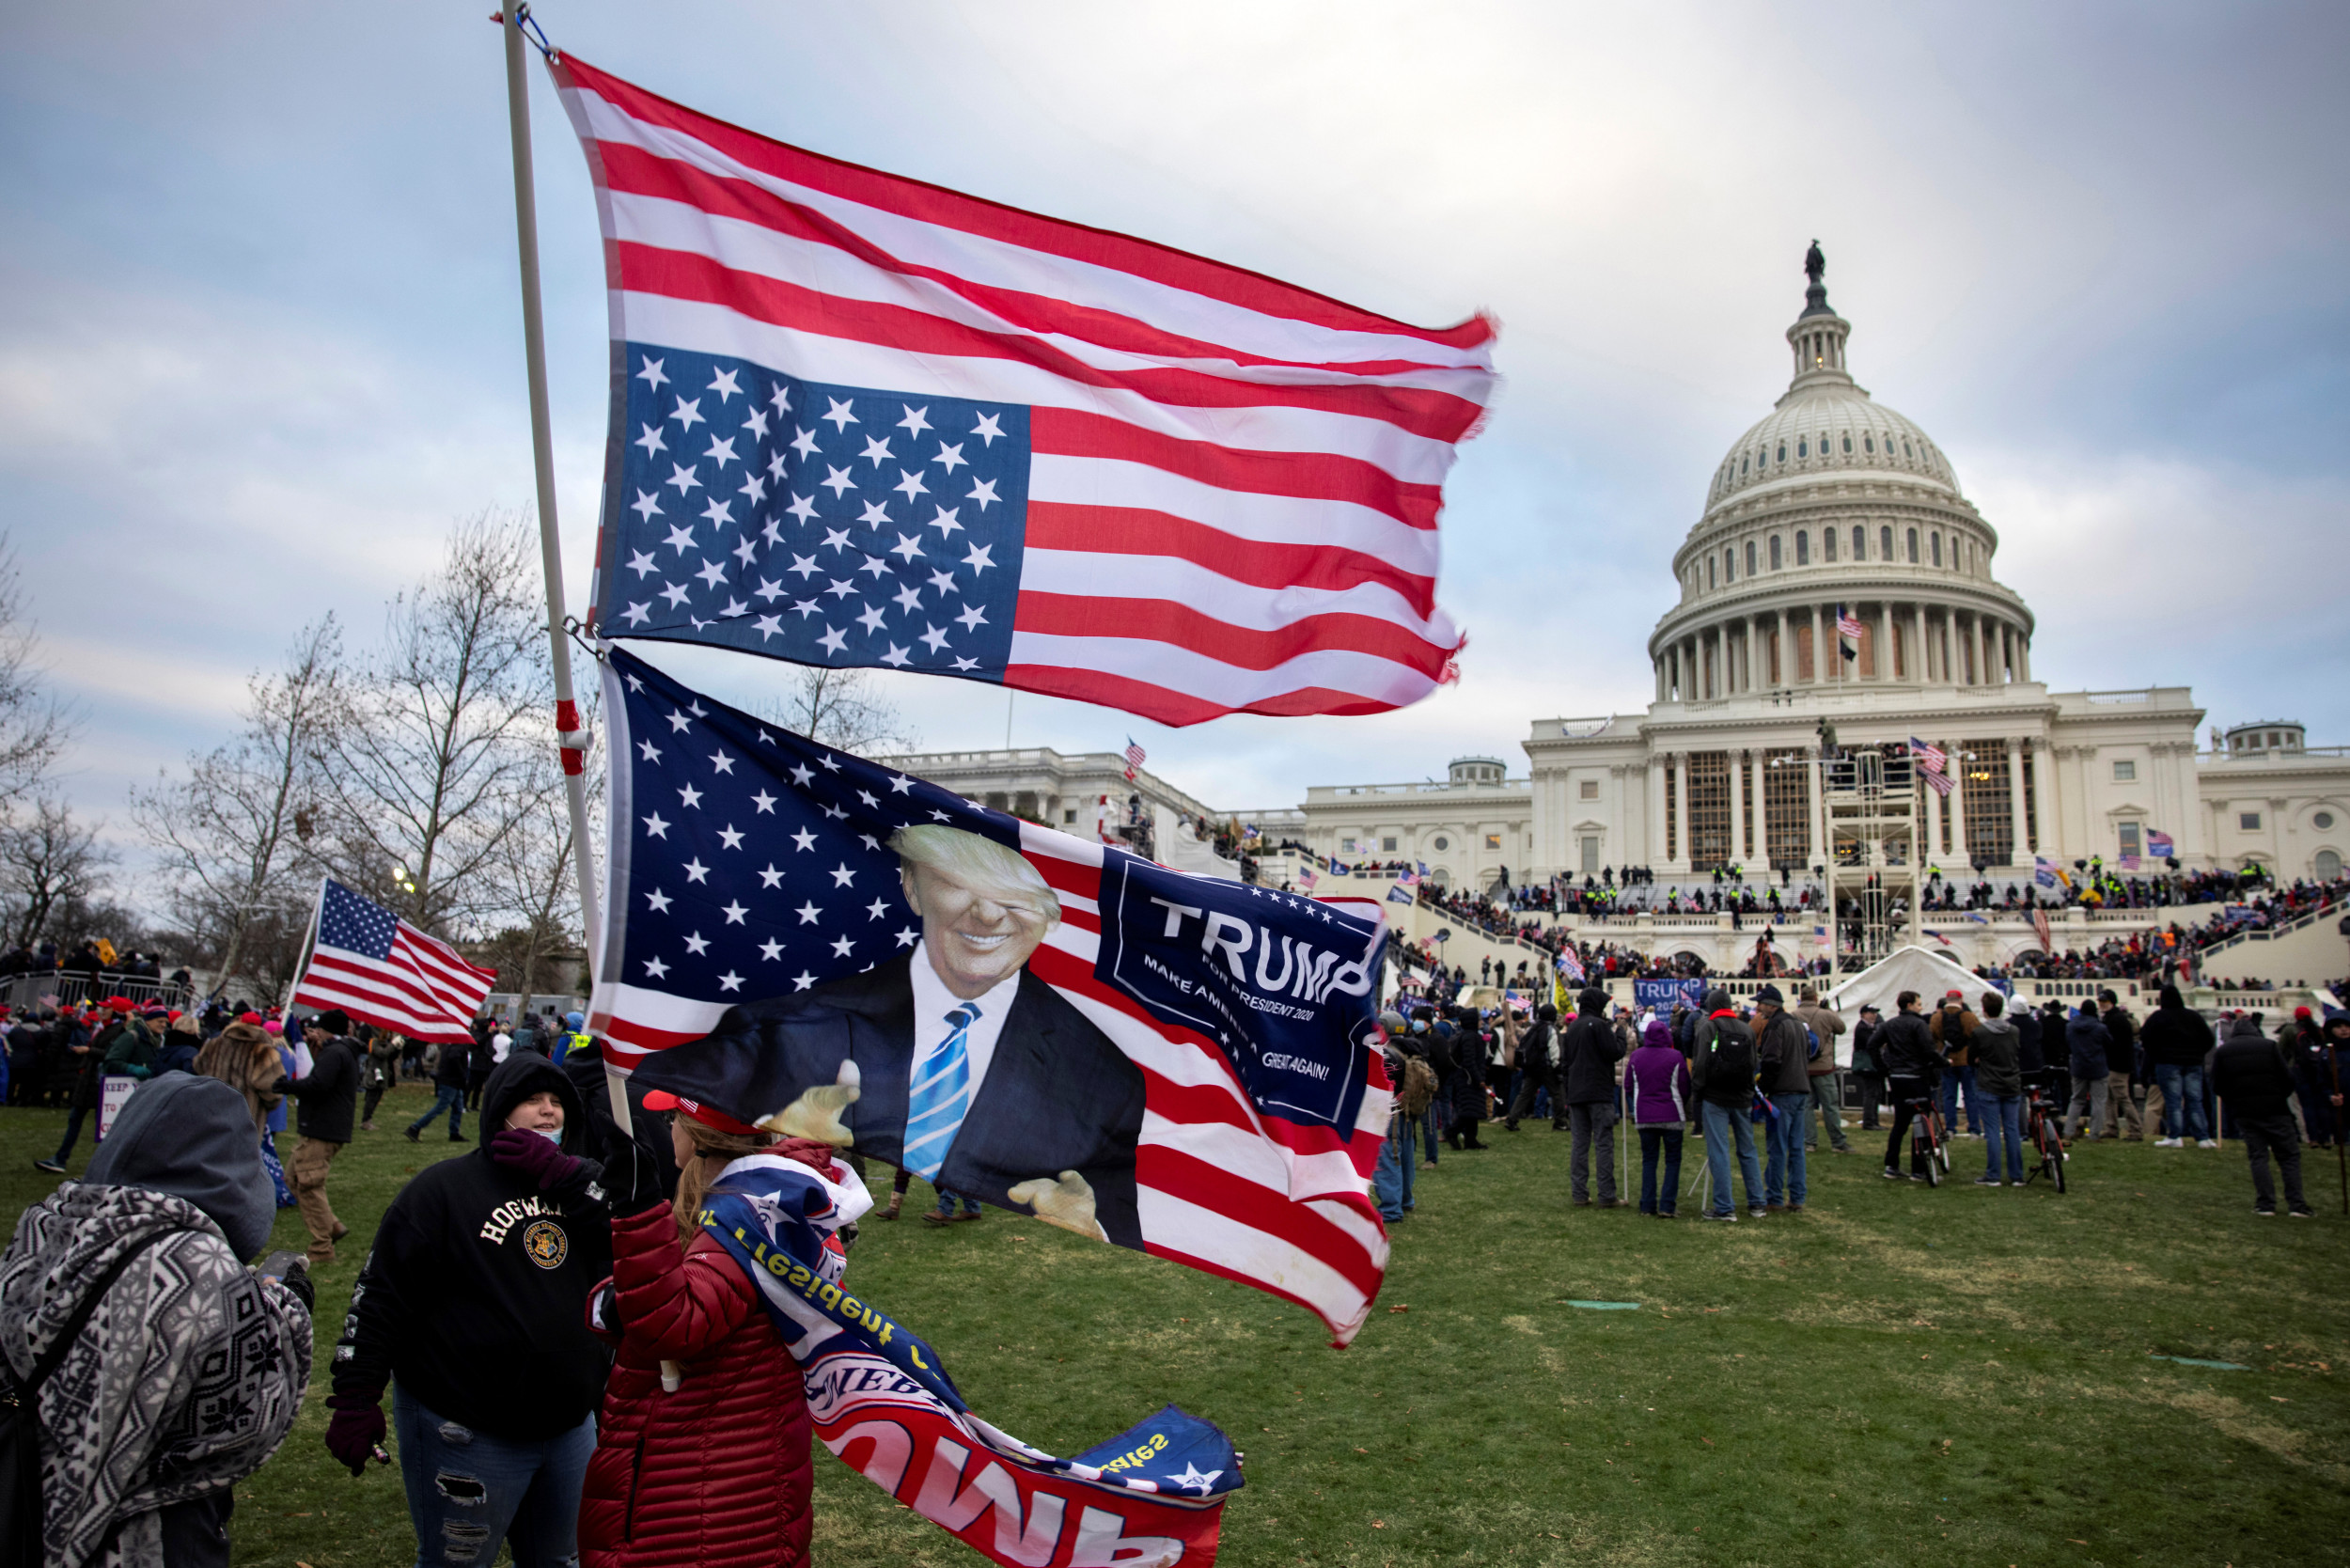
x=555 y=1137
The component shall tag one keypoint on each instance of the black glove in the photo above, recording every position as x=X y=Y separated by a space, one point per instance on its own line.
x=291 y=1270
x=633 y=1180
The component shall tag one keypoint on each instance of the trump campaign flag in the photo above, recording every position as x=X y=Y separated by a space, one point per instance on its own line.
x=1175 y=1063
x=860 y=420
x=380 y=969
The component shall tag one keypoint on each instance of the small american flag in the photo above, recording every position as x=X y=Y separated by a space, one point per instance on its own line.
x=858 y=420
x=380 y=969
x=1848 y=632
x=1133 y=759
x=1571 y=964
x=1933 y=762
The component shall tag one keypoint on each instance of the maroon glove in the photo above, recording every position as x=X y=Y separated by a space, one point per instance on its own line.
x=355 y=1429
x=539 y=1159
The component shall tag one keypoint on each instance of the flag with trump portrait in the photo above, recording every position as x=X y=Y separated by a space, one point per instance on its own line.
x=858 y=420
x=1176 y=1063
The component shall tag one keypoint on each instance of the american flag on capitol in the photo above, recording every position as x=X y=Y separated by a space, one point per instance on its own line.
x=1847 y=632
x=860 y=420
x=380 y=969
x=1133 y=759
x=747 y=862
x=1933 y=762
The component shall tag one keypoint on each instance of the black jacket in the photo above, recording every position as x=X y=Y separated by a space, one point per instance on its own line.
x=329 y=1094
x=1906 y=1047
x=1715 y=1081
x=650 y=1129
x=2123 y=1055
x=1790 y=1037
x=1864 y=1053
x=455 y=1069
x=1590 y=1051
x=2248 y=1072
x=2176 y=1037
x=2031 y=1059
x=475 y=1295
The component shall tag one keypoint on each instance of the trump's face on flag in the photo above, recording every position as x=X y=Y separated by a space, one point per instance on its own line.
x=984 y=908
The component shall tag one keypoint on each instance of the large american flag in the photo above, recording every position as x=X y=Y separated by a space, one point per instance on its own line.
x=1848 y=632
x=860 y=420
x=750 y=862
x=1933 y=762
x=380 y=969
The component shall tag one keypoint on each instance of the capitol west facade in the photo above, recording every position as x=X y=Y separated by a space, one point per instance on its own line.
x=1832 y=499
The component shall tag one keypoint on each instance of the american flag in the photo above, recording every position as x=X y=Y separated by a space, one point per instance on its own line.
x=1933 y=762
x=750 y=862
x=859 y=420
x=1571 y=964
x=1848 y=632
x=1133 y=759
x=380 y=969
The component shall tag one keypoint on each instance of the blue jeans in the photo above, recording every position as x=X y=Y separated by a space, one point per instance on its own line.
x=2007 y=1130
x=449 y=1098
x=1951 y=1078
x=2182 y=1101
x=946 y=1203
x=1386 y=1183
x=1652 y=1140
x=468 y=1491
x=1721 y=1124
x=1785 y=1180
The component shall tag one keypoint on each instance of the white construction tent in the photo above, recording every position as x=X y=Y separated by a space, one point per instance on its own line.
x=1911 y=968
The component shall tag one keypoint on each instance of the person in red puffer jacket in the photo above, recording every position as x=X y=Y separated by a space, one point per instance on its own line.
x=713 y=1468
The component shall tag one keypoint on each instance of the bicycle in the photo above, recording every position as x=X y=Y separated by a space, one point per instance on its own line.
x=2041 y=1135
x=1927 y=1151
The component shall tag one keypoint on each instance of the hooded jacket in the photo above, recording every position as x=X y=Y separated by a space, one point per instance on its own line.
x=1998 y=1065
x=475 y=1295
x=1589 y=1050
x=2085 y=1037
x=1717 y=1083
x=190 y=1371
x=2248 y=1072
x=1790 y=1071
x=329 y=1092
x=1663 y=1093
x=2174 y=1034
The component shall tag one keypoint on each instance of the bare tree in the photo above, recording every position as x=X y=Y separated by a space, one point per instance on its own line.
x=48 y=862
x=435 y=758
x=231 y=835
x=34 y=726
x=543 y=893
x=839 y=708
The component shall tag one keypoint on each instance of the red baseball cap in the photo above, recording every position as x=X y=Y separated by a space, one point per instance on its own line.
x=660 y=1100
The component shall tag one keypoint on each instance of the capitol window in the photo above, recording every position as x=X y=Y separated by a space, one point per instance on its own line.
x=1905 y=451
x=1782 y=451
x=1848 y=444
x=1775 y=553
x=1492 y=840
x=1938 y=549
x=1868 y=442
x=1442 y=843
x=1913 y=547
x=1709 y=572
x=1885 y=544
x=1803 y=447
x=2125 y=773
x=2323 y=821
x=1742 y=466
x=1828 y=542
x=1803 y=548
x=1859 y=538
x=1588 y=790
x=1387 y=843
x=1729 y=566
x=1750 y=558
x=2248 y=822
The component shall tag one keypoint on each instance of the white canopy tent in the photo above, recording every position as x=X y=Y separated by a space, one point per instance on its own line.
x=1911 y=968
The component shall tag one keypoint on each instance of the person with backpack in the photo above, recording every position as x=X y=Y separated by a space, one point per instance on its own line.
x=151 y=1369
x=1783 y=1046
x=1999 y=1078
x=1656 y=1081
x=1906 y=1048
x=1723 y=1072
x=2177 y=1042
x=1538 y=1070
x=1588 y=1054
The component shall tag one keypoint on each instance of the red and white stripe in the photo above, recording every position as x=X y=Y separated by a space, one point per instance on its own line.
x=1234 y=482
x=423 y=991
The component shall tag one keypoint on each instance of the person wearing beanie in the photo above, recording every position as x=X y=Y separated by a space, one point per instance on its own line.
x=1657 y=1080
x=2252 y=1077
x=472 y=1307
x=328 y=1096
x=1783 y=1045
x=1722 y=1069
x=1587 y=1053
x=2178 y=1041
x=1538 y=1070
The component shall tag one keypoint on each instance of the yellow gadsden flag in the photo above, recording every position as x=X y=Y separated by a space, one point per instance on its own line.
x=105 y=952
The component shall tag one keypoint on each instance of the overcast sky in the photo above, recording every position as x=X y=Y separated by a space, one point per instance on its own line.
x=259 y=338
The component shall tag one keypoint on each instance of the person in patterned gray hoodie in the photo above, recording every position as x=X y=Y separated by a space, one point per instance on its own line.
x=190 y=1370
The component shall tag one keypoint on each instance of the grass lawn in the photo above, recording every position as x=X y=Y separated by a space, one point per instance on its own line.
x=1899 y=1375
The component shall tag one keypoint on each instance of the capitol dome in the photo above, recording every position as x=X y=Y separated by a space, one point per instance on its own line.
x=1834 y=504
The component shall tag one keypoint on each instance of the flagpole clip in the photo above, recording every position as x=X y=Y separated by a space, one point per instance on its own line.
x=531 y=30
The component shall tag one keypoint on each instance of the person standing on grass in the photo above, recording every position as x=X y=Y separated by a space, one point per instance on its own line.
x=382 y=1066
x=2120 y=1065
x=1538 y=1070
x=2252 y=1078
x=1587 y=1055
x=480 y=1060
x=473 y=1305
x=1783 y=1045
x=2000 y=1079
x=1656 y=1081
x=2087 y=1042
x=1827 y=1079
x=2313 y=1075
x=1905 y=1047
x=450 y=1078
x=1950 y=1027
x=188 y=1370
x=328 y=1095
x=1868 y=1069
x=1723 y=1072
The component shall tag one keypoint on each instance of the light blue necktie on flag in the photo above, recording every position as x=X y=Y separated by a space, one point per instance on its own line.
x=940 y=1095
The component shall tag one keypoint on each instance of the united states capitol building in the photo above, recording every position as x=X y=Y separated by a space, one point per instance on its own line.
x=1830 y=500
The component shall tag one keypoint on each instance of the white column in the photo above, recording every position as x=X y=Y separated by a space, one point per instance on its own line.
x=1819 y=666
x=1816 y=832
x=1957 y=803
x=2016 y=798
x=1737 y=806
x=1681 y=805
x=1919 y=661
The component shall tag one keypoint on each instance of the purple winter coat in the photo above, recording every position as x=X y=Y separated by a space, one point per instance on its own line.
x=1658 y=1078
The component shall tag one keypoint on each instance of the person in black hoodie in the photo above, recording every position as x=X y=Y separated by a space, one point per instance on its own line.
x=2251 y=1076
x=473 y=1301
x=1906 y=1047
x=1587 y=1053
x=2177 y=1040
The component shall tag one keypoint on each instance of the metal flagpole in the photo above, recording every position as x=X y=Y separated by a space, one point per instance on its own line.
x=570 y=736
